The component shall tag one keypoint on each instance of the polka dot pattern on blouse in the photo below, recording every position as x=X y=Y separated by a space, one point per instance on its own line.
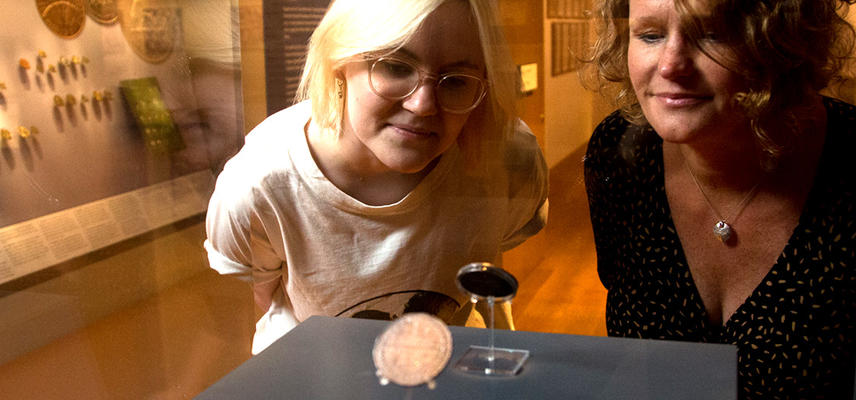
x=795 y=332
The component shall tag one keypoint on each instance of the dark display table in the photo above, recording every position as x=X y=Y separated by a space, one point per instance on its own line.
x=331 y=358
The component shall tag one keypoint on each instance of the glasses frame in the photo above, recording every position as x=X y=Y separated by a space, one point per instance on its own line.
x=423 y=75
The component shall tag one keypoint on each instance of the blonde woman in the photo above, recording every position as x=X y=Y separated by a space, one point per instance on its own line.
x=402 y=161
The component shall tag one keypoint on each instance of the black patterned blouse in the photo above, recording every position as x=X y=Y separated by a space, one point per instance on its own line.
x=795 y=332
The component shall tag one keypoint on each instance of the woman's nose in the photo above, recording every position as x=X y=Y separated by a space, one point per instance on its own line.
x=423 y=101
x=676 y=60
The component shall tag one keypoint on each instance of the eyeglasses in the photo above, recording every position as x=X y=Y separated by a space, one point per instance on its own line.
x=396 y=79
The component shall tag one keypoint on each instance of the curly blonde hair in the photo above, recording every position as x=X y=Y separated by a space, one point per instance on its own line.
x=784 y=49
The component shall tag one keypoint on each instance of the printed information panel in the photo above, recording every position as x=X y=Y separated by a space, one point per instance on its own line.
x=42 y=242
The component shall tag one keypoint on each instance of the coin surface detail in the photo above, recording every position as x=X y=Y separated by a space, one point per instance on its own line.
x=63 y=17
x=104 y=12
x=150 y=27
x=412 y=350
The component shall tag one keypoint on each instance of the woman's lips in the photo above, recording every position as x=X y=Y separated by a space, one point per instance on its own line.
x=412 y=131
x=680 y=99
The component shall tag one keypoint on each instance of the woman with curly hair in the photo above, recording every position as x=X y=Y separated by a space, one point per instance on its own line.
x=722 y=192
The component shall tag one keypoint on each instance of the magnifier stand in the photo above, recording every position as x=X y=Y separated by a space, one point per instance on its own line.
x=491 y=360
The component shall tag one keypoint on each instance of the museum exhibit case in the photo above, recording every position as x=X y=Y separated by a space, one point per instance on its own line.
x=114 y=121
x=116 y=117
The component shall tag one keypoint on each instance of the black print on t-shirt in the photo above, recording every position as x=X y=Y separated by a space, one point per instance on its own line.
x=390 y=306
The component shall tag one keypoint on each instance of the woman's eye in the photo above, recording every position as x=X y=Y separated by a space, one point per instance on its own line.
x=649 y=37
x=711 y=36
x=395 y=69
x=456 y=81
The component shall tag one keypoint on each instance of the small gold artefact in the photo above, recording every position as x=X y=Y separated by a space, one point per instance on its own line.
x=83 y=98
x=58 y=101
x=65 y=18
x=5 y=134
x=63 y=60
x=23 y=132
x=42 y=54
x=51 y=68
x=97 y=96
x=75 y=59
x=24 y=63
x=105 y=12
x=70 y=100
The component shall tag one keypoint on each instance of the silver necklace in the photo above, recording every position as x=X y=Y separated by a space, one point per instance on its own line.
x=722 y=229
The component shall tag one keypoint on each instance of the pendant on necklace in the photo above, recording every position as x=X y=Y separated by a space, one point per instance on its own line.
x=722 y=231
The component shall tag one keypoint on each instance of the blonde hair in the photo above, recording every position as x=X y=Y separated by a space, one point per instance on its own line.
x=353 y=28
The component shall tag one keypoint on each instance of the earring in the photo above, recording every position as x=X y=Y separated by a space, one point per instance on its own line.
x=340 y=91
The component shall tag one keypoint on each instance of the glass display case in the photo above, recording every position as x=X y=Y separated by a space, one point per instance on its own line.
x=116 y=117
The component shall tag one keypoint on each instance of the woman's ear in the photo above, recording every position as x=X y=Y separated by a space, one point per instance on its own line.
x=339 y=73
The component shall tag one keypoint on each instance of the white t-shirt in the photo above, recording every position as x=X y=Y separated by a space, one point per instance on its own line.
x=310 y=249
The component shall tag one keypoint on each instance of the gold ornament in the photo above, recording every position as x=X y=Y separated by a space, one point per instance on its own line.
x=64 y=17
x=150 y=27
x=104 y=12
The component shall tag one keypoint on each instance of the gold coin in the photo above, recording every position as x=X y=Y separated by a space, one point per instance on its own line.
x=64 y=17
x=104 y=12
x=150 y=27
